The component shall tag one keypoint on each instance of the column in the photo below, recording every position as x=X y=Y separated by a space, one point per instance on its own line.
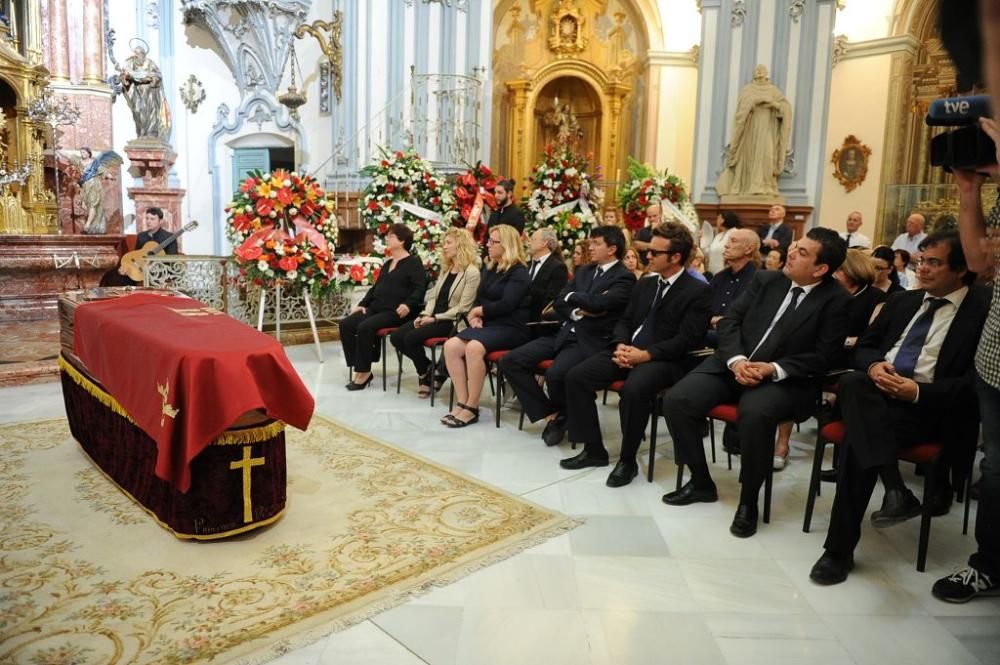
x=93 y=43
x=58 y=40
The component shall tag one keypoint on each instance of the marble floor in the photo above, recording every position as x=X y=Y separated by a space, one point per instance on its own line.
x=639 y=582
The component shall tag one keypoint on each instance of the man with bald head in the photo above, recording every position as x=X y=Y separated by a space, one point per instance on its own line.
x=742 y=257
x=654 y=215
x=853 y=236
x=911 y=238
x=776 y=235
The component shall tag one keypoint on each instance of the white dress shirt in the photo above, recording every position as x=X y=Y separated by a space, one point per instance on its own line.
x=538 y=265
x=858 y=239
x=904 y=241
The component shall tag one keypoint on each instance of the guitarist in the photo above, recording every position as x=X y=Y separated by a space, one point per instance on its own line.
x=153 y=218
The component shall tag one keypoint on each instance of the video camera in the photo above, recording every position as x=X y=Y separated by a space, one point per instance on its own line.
x=969 y=147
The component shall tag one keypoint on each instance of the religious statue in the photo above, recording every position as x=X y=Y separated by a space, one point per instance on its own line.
x=568 y=131
x=142 y=87
x=93 y=171
x=760 y=140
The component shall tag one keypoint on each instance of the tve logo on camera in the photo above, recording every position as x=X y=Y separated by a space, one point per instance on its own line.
x=959 y=106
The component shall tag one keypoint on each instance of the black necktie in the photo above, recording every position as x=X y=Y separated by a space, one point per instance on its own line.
x=913 y=344
x=644 y=337
x=775 y=334
x=532 y=267
x=597 y=275
x=848 y=240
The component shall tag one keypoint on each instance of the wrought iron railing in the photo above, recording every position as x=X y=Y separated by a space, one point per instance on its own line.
x=217 y=282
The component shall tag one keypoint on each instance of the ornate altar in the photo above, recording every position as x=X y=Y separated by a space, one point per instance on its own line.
x=560 y=72
x=28 y=206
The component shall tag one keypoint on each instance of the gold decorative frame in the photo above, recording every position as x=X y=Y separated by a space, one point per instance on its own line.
x=566 y=29
x=850 y=162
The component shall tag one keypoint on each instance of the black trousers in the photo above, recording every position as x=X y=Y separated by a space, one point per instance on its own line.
x=409 y=341
x=358 y=338
x=761 y=408
x=876 y=428
x=635 y=401
x=519 y=372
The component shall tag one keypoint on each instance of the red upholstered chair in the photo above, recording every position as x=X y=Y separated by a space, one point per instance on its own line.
x=383 y=334
x=729 y=413
x=928 y=453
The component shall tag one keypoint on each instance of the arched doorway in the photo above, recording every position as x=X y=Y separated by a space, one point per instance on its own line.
x=583 y=103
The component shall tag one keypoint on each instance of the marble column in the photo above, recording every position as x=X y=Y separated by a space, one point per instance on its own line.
x=58 y=40
x=93 y=42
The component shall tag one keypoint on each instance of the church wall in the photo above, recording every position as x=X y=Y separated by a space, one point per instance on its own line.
x=859 y=94
x=670 y=130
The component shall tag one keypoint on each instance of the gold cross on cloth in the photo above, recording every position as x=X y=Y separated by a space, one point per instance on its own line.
x=246 y=464
x=198 y=311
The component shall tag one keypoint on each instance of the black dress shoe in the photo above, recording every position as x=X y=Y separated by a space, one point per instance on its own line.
x=831 y=568
x=554 y=432
x=940 y=502
x=582 y=461
x=622 y=474
x=828 y=475
x=745 y=522
x=897 y=506
x=689 y=494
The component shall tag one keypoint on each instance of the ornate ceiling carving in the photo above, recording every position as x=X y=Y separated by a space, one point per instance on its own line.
x=254 y=36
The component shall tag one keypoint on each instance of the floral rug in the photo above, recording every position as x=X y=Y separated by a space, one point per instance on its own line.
x=87 y=577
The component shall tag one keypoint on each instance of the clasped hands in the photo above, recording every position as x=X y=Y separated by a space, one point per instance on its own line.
x=749 y=373
x=475 y=317
x=627 y=357
x=892 y=384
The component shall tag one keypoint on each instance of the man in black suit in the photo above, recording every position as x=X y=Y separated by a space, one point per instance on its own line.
x=666 y=319
x=914 y=373
x=776 y=235
x=546 y=269
x=590 y=305
x=786 y=330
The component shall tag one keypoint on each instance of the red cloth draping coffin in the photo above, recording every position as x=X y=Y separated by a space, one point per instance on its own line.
x=185 y=372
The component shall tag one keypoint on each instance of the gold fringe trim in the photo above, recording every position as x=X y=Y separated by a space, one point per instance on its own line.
x=234 y=437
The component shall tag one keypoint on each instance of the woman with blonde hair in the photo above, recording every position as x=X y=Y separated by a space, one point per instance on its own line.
x=581 y=255
x=445 y=305
x=633 y=264
x=499 y=320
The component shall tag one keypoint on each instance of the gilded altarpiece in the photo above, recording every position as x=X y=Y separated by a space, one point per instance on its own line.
x=555 y=59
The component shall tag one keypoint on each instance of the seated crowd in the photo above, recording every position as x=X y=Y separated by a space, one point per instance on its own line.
x=759 y=324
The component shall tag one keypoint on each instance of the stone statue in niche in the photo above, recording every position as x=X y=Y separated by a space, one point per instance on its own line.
x=760 y=141
x=142 y=86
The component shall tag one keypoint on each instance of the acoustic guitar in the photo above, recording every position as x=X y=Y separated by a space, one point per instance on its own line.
x=134 y=263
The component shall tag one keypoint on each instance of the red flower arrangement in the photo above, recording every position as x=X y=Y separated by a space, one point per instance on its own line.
x=475 y=188
x=283 y=229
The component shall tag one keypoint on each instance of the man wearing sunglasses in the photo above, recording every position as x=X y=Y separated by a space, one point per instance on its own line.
x=785 y=331
x=666 y=319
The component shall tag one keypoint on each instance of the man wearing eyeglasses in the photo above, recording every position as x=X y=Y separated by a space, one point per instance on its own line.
x=666 y=319
x=913 y=383
x=786 y=330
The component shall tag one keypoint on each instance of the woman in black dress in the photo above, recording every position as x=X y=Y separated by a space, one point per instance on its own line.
x=498 y=321
x=396 y=297
x=447 y=302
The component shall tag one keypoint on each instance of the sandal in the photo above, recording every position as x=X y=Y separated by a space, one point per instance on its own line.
x=455 y=423
x=424 y=387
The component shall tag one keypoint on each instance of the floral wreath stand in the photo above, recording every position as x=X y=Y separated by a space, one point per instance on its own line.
x=277 y=315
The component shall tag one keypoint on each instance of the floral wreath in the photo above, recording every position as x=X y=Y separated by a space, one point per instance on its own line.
x=644 y=186
x=357 y=270
x=405 y=188
x=564 y=196
x=283 y=229
x=476 y=188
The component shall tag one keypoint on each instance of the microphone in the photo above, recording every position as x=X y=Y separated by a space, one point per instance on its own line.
x=958 y=111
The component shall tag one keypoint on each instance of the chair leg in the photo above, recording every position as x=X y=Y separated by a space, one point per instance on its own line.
x=711 y=430
x=433 y=371
x=768 y=485
x=383 y=365
x=680 y=475
x=489 y=375
x=399 y=371
x=451 y=396
x=968 y=502
x=925 y=515
x=499 y=393
x=814 y=484
x=654 y=417
x=520 y=420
